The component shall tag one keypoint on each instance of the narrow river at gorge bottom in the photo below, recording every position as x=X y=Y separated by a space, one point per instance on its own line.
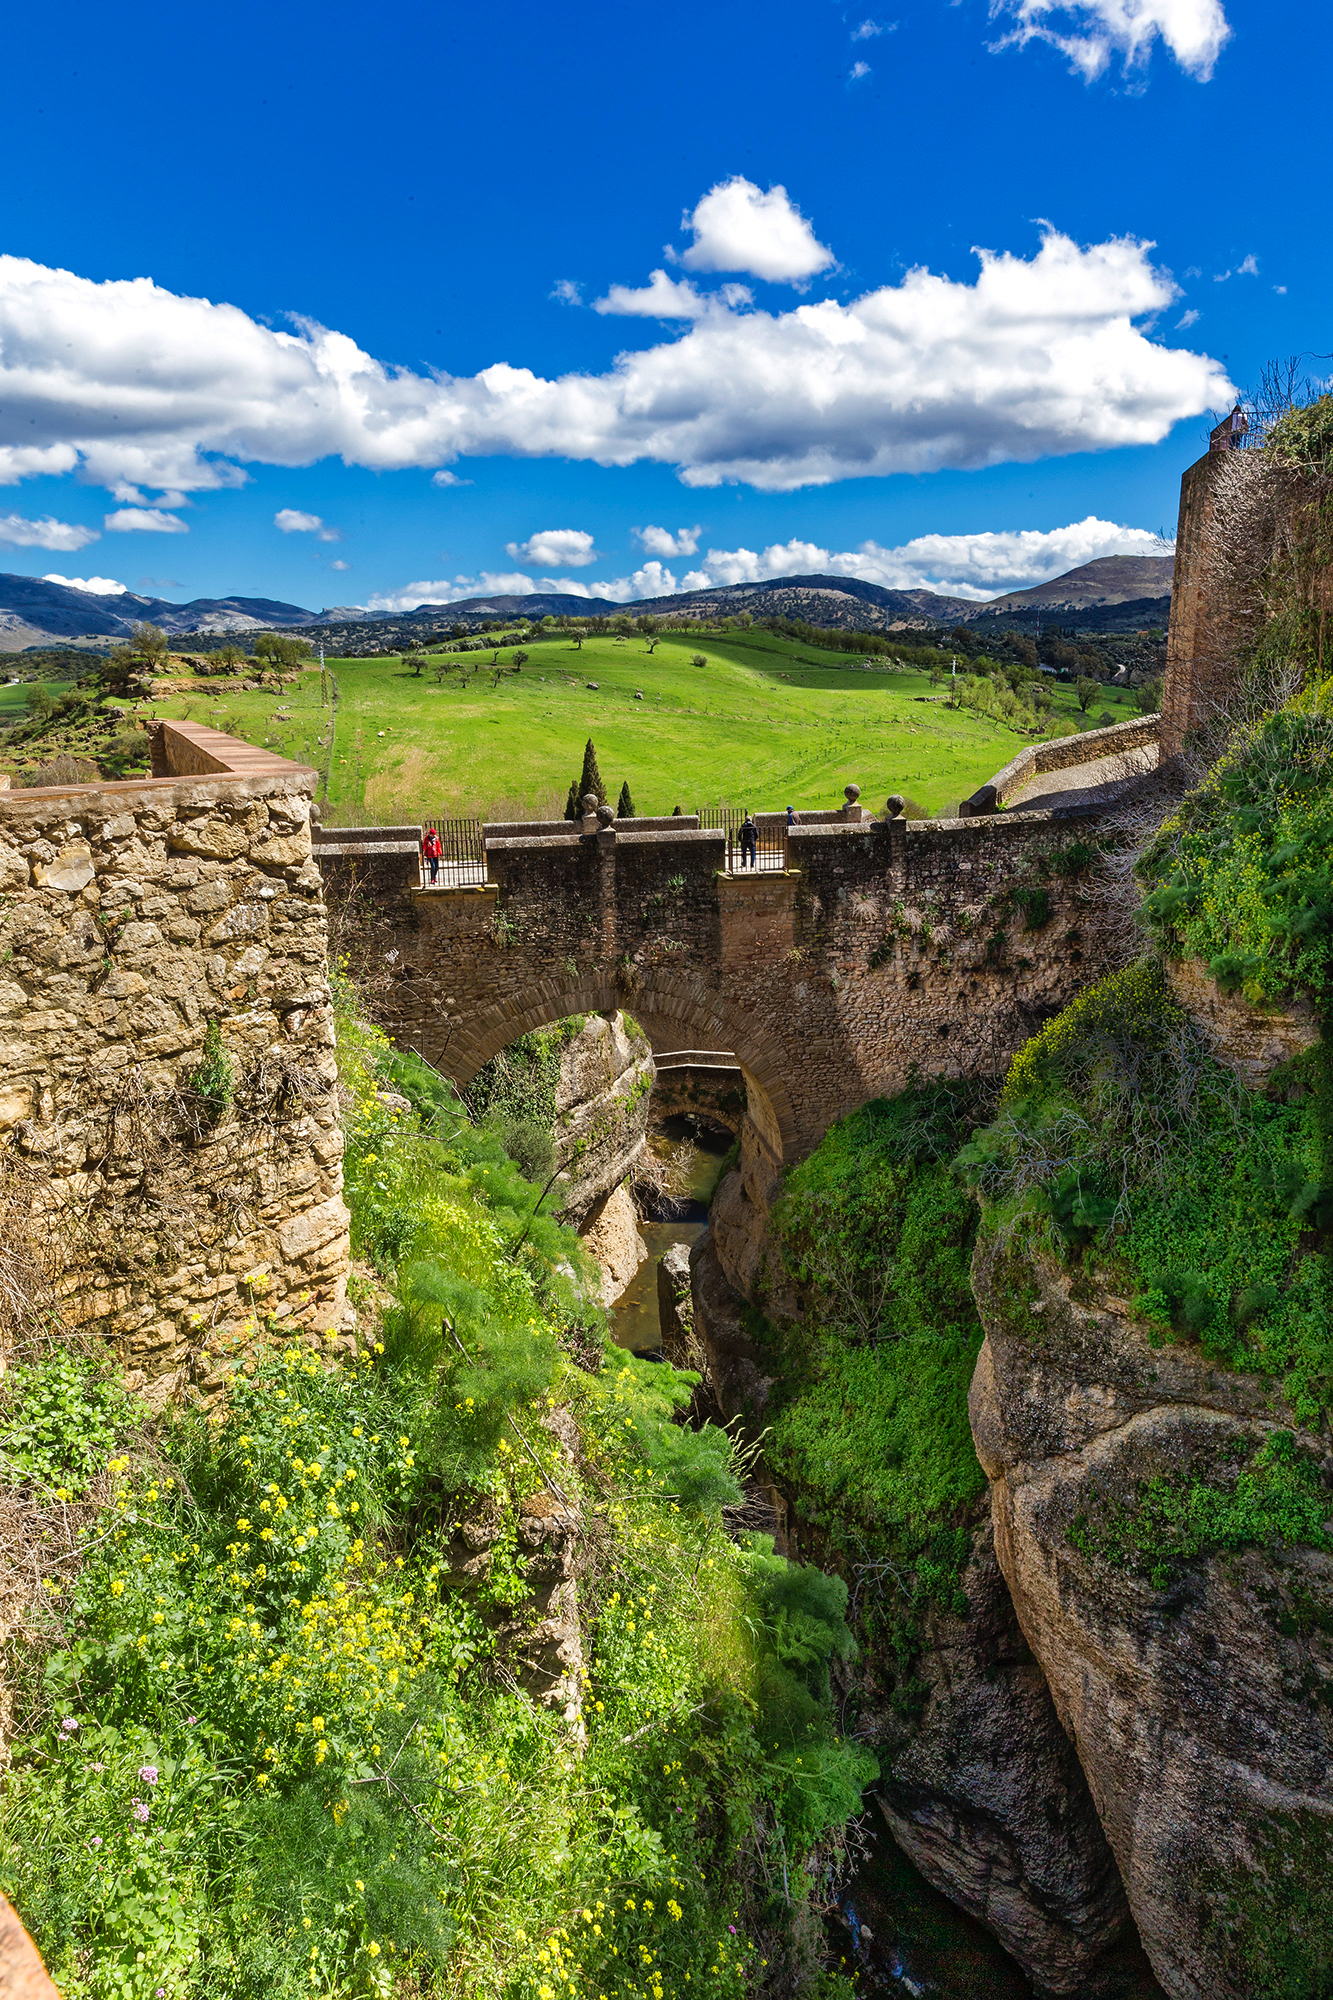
x=895 y=1933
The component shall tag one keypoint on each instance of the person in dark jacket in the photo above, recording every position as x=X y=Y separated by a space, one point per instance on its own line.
x=749 y=838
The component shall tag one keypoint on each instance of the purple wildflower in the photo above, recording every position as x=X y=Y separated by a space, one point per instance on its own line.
x=141 y=1811
x=97 y=1840
x=148 y=1772
x=68 y=1726
x=190 y=1721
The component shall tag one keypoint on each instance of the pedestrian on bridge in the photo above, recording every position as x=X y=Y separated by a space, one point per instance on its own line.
x=433 y=849
x=749 y=835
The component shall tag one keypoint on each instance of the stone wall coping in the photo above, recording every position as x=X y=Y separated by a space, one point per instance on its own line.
x=988 y=825
x=537 y=829
x=691 y=836
x=356 y=836
x=189 y=753
x=365 y=847
x=1060 y=753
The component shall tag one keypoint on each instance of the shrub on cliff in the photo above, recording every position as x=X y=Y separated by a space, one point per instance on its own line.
x=870 y=1435
x=1121 y=1143
x=282 y=1739
x=1241 y=875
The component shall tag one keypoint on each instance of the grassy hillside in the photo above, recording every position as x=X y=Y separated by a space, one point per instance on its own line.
x=767 y=722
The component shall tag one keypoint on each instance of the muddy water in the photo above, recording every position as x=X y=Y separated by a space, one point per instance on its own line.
x=634 y=1320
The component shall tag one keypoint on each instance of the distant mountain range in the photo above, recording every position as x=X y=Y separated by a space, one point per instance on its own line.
x=33 y=612
x=1115 y=593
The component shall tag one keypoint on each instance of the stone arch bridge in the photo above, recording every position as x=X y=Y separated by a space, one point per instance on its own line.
x=881 y=950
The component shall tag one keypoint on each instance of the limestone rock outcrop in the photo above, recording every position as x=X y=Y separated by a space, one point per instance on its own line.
x=601 y=1110
x=982 y=1787
x=675 y=1309
x=1200 y=1695
x=1251 y=1041
x=611 y=1236
x=984 y=1792
x=731 y=1361
x=602 y=1101
x=22 y=1974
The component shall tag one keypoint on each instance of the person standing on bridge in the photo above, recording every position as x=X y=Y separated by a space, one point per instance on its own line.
x=749 y=834
x=433 y=848
x=791 y=816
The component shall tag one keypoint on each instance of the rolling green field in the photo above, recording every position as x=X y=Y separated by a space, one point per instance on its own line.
x=765 y=724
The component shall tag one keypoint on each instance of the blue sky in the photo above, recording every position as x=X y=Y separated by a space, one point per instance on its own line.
x=403 y=221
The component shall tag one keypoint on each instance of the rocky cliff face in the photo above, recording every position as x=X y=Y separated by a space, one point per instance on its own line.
x=981 y=1786
x=603 y=1098
x=984 y=1792
x=1198 y=1690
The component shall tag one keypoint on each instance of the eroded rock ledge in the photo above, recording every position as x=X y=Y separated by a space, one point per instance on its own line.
x=1202 y=1710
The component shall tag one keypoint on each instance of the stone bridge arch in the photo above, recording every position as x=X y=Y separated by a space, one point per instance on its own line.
x=675 y=1012
x=884 y=951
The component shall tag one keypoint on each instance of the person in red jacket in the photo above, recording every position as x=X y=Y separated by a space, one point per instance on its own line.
x=433 y=848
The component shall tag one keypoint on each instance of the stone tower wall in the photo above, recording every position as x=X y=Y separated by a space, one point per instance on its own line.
x=170 y=1217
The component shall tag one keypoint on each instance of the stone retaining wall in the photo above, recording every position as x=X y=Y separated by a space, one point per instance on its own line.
x=167 y=1079
x=1062 y=753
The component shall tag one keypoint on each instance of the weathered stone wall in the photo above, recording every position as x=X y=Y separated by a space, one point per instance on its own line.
x=175 y=1212
x=1198 y=673
x=1062 y=753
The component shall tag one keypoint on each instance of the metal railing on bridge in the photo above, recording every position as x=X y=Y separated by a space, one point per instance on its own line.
x=766 y=852
x=462 y=862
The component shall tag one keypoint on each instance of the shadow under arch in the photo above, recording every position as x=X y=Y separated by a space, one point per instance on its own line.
x=674 y=1011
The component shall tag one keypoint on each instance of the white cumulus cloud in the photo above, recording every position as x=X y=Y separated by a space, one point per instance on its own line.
x=1036 y=356
x=857 y=71
x=976 y=566
x=98 y=586
x=143 y=520
x=660 y=298
x=555 y=548
x=1090 y=32
x=293 y=522
x=661 y=541
x=47 y=533
x=737 y=227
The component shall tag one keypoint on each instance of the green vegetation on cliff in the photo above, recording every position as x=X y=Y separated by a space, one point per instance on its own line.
x=1122 y=1144
x=1242 y=875
x=291 y=1719
x=870 y=1433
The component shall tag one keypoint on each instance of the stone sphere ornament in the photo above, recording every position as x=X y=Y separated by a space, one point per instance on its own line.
x=605 y=815
x=851 y=793
x=588 y=804
x=894 y=804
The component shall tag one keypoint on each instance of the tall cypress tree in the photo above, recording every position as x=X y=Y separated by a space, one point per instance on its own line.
x=592 y=777
x=572 y=808
x=625 y=809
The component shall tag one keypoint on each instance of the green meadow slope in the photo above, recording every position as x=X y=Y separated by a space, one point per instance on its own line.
x=768 y=722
